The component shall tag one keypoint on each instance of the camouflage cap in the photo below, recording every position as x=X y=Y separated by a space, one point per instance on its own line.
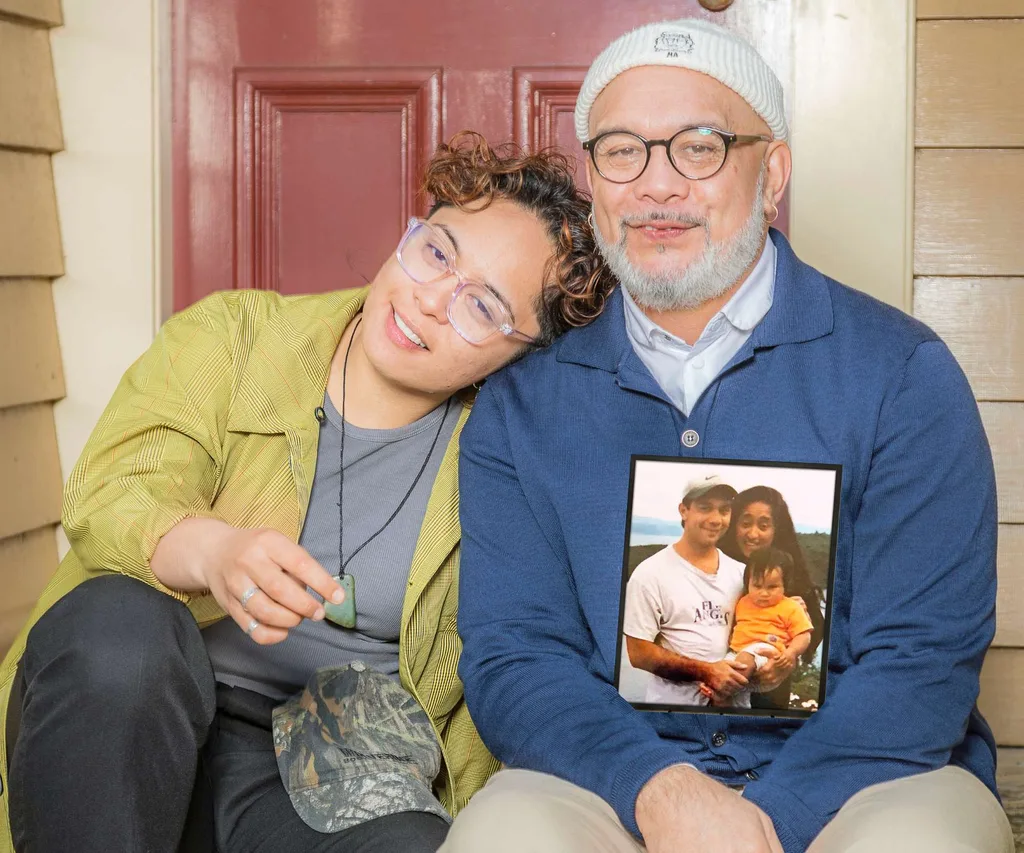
x=354 y=746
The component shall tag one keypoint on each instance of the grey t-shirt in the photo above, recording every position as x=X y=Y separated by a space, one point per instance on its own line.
x=380 y=465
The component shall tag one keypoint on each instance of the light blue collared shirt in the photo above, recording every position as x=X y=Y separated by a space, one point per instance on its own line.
x=685 y=372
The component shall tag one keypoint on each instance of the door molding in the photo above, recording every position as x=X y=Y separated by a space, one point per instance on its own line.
x=541 y=96
x=852 y=192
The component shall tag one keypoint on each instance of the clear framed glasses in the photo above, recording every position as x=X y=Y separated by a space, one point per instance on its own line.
x=475 y=310
x=695 y=153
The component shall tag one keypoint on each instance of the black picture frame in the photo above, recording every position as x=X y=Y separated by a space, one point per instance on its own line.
x=687 y=468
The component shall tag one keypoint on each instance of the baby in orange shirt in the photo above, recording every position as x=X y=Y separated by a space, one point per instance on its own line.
x=767 y=623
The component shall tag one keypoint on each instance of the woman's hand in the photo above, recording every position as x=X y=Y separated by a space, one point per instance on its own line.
x=259 y=576
x=773 y=673
x=788 y=659
x=271 y=573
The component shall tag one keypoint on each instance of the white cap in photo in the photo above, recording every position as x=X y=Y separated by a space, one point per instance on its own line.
x=703 y=485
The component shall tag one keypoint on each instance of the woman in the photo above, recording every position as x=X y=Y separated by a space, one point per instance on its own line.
x=761 y=519
x=256 y=422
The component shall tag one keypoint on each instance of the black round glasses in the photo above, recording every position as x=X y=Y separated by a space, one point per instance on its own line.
x=695 y=153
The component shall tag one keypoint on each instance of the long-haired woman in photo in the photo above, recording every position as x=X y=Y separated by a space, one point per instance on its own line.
x=761 y=519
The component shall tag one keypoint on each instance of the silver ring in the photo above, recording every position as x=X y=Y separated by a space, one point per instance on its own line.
x=252 y=627
x=247 y=596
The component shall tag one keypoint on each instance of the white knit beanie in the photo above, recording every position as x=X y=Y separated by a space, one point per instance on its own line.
x=699 y=46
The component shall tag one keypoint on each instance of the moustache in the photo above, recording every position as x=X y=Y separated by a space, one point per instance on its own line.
x=647 y=218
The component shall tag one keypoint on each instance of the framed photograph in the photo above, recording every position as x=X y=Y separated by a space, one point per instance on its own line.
x=727 y=577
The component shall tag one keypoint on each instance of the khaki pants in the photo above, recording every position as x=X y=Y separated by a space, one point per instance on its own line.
x=945 y=811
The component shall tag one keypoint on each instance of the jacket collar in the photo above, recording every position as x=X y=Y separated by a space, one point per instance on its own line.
x=285 y=373
x=801 y=311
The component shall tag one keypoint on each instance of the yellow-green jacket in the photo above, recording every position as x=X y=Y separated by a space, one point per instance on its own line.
x=216 y=420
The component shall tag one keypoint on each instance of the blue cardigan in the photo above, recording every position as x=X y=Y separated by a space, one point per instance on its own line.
x=830 y=375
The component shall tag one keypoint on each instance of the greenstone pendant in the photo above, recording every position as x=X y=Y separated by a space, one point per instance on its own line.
x=344 y=614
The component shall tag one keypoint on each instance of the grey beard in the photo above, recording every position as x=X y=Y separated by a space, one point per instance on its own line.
x=711 y=275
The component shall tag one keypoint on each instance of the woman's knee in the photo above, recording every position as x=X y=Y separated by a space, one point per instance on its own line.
x=410 y=832
x=116 y=637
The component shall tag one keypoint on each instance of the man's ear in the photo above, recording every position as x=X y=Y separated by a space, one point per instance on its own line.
x=778 y=168
x=590 y=174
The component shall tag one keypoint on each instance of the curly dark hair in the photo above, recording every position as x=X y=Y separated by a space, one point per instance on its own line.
x=467 y=171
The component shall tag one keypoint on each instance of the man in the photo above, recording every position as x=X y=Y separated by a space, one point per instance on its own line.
x=722 y=344
x=680 y=603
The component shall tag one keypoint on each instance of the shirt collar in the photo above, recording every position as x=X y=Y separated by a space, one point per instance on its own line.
x=751 y=302
x=744 y=310
x=801 y=311
x=642 y=330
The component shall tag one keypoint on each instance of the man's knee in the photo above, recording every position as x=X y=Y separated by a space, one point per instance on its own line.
x=943 y=811
x=504 y=822
x=118 y=639
x=522 y=810
x=501 y=818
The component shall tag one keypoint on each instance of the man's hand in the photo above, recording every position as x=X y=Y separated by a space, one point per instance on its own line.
x=682 y=809
x=724 y=677
x=746 y=663
x=718 y=700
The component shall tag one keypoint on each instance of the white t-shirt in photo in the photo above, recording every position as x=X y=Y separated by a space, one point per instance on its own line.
x=673 y=603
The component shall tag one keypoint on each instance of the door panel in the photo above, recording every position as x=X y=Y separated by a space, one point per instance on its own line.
x=315 y=147
x=301 y=127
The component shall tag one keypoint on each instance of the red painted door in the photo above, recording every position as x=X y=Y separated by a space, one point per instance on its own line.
x=301 y=126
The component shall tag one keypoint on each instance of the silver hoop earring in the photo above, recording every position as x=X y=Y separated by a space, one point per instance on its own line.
x=774 y=215
x=590 y=221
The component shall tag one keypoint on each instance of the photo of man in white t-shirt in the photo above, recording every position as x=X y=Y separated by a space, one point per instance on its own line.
x=681 y=601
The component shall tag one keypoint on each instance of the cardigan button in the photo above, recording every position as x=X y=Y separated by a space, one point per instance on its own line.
x=718 y=739
x=690 y=438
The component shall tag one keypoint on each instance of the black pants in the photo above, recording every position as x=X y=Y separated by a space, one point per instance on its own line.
x=125 y=743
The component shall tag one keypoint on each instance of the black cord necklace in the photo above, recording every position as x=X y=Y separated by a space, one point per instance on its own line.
x=344 y=614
